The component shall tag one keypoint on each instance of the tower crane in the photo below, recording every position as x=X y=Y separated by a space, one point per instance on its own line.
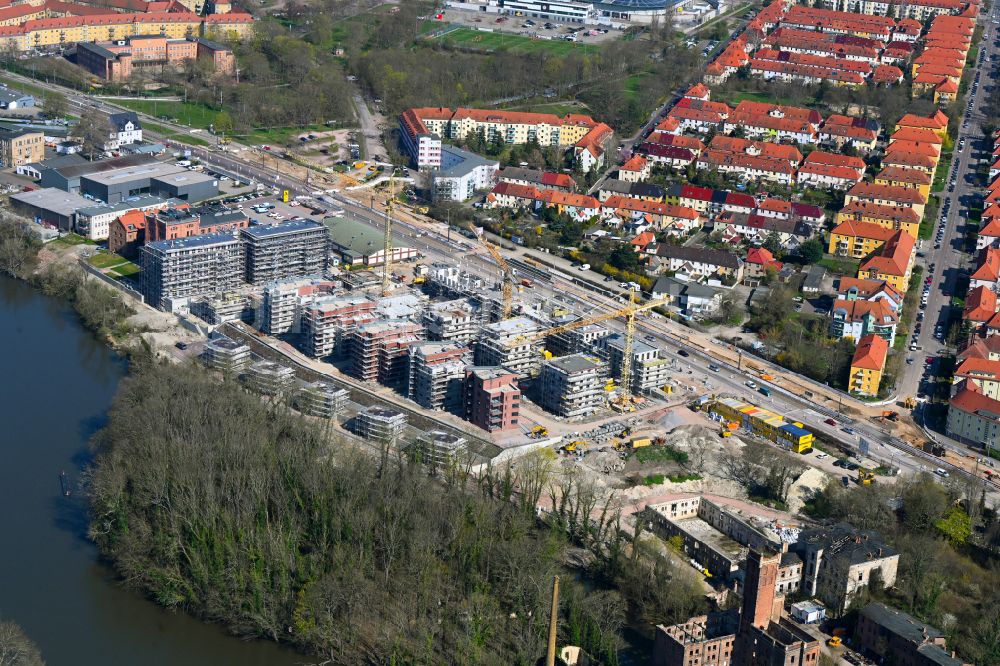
x=387 y=246
x=507 y=278
x=623 y=402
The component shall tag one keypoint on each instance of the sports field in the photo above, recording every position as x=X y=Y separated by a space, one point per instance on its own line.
x=493 y=41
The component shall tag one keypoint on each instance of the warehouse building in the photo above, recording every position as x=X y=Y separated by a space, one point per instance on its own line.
x=66 y=176
x=49 y=206
x=290 y=249
x=358 y=244
x=157 y=178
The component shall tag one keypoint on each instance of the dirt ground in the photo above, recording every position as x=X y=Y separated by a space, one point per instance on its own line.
x=334 y=141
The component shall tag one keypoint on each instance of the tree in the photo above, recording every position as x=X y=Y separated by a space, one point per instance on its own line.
x=956 y=526
x=93 y=130
x=223 y=123
x=624 y=258
x=54 y=104
x=772 y=243
x=16 y=649
x=811 y=251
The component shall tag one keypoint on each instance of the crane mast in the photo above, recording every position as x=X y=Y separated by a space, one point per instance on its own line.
x=387 y=245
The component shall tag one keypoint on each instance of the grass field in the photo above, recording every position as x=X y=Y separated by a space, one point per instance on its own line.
x=186 y=113
x=493 y=41
x=941 y=174
x=558 y=108
x=70 y=240
x=839 y=265
x=735 y=98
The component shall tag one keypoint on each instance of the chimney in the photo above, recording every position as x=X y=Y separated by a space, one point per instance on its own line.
x=550 y=657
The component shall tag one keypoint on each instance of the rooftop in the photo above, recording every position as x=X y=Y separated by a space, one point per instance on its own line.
x=260 y=231
x=53 y=199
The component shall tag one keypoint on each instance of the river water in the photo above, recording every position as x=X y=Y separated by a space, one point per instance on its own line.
x=56 y=383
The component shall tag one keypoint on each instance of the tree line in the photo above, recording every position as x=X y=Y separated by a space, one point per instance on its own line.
x=247 y=514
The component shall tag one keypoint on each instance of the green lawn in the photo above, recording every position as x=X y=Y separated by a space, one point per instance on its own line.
x=128 y=269
x=106 y=260
x=734 y=98
x=941 y=174
x=168 y=133
x=70 y=240
x=492 y=41
x=186 y=113
x=558 y=108
x=839 y=265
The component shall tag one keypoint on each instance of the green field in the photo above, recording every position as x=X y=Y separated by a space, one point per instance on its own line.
x=493 y=41
x=557 y=108
x=186 y=113
x=840 y=265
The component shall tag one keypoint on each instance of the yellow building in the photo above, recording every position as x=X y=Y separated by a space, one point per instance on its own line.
x=908 y=178
x=19 y=147
x=896 y=218
x=868 y=365
x=857 y=239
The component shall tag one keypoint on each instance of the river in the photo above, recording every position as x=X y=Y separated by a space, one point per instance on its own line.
x=57 y=383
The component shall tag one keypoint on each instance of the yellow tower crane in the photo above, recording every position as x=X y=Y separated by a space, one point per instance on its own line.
x=387 y=246
x=507 y=274
x=623 y=401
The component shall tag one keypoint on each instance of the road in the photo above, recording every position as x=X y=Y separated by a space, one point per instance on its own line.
x=587 y=296
x=949 y=258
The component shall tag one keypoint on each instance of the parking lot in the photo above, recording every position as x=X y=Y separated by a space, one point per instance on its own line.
x=527 y=26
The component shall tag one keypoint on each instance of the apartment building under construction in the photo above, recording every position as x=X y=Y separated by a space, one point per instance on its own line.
x=380 y=351
x=288 y=249
x=328 y=323
x=504 y=344
x=437 y=374
x=452 y=321
x=572 y=386
x=283 y=301
x=175 y=271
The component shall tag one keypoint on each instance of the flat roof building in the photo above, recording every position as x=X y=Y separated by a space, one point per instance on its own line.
x=270 y=378
x=49 y=206
x=492 y=398
x=893 y=635
x=438 y=449
x=380 y=424
x=94 y=220
x=226 y=355
x=175 y=271
x=289 y=249
x=573 y=386
x=322 y=399
x=437 y=374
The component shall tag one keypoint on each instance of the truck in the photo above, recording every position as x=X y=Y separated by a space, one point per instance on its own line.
x=763 y=390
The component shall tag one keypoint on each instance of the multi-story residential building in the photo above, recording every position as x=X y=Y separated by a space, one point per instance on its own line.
x=379 y=351
x=987 y=271
x=868 y=365
x=328 y=323
x=856 y=319
x=94 y=222
x=649 y=371
x=437 y=375
x=751 y=160
x=543 y=180
x=892 y=635
x=841 y=131
x=974 y=417
x=380 y=424
x=450 y=321
x=462 y=174
x=21 y=146
x=889 y=217
x=840 y=561
x=289 y=249
x=423 y=128
x=124 y=130
x=492 y=398
x=573 y=386
x=856 y=289
x=894 y=262
x=983 y=373
x=322 y=399
x=283 y=302
x=507 y=344
x=438 y=449
x=85 y=29
x=857 y=239
x=830 y=170
x=773 y=122
x=695 y=261
x=886 y=195
x=175 y=271
x=182 y=222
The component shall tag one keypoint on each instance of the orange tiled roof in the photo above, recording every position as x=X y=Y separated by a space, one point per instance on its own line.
x=870 y=353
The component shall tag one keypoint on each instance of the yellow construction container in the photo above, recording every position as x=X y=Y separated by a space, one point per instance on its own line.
x=639 y=443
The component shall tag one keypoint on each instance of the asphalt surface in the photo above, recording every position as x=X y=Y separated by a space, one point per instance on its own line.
x=587 y=295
